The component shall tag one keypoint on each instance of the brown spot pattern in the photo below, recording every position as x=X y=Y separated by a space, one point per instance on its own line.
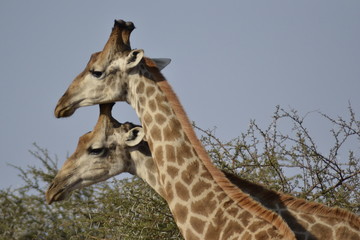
x=227 y=204
x=256 y=225
x=233 y=211
x=345 y=233
x=140 y=88
x=212 y=232
x=152 y=105
x=163 y=105
x=169 y=192
x=159 y=155
x=185 y=150
x=221 y=196
x=207 y=175
x=172 y=171
x=200 y=187
x=180 y=213
x=155 y=133
x=182 y=191
x=204 y=206
x=272 y=233
x=246 y=236
x=142 y=101
x=160 y=118
x=308 y=218
x=262 y=235
x=321 y=230
x=220 y=219
x=190 y=235
x=147 y=119
x=170 y=153
x=191 y=171
x=245 y=218
x=197 y=224
x=328 y=220
x=150 y=91
x=232 y=228
x=172 y=130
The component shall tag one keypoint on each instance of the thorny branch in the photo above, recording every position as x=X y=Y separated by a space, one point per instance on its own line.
x=293 y=162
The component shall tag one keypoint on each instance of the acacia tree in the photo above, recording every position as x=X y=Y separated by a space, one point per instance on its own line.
x=290 y=162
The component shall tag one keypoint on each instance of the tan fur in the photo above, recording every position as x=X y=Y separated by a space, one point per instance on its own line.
x=231 y=190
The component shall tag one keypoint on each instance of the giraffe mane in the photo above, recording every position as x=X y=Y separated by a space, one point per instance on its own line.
x=295 y=203
x=320 y=209
x=229 y=188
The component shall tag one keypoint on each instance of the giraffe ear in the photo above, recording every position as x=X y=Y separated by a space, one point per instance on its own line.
x=134 y=136
x=134 y=57
x=161 y=63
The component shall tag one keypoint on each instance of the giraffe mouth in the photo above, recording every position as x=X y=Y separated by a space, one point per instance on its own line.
x=59 y=192
x=66 y=111
x=63 y=110
x=59 y=196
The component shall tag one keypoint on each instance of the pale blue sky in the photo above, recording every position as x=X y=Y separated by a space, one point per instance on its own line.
x=232 y=61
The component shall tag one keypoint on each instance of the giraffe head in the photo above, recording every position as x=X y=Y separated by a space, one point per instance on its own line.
x=105 y=77
x=102 y=153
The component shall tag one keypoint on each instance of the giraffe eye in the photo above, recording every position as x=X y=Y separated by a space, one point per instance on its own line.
x=97 y=151
x=96 y=74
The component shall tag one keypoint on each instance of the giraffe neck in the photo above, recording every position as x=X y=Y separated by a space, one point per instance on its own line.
x=145 y=168
x=189 y=185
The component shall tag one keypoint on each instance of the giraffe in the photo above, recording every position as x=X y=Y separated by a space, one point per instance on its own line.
x=198 y=194
x=127 y=151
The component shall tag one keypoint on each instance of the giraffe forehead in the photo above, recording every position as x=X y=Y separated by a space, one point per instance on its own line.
x=115 y=138
x=85 y=140
x=93 y=59
x=117 y=64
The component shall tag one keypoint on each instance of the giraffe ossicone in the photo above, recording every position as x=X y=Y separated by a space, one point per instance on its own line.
x=113 y=148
